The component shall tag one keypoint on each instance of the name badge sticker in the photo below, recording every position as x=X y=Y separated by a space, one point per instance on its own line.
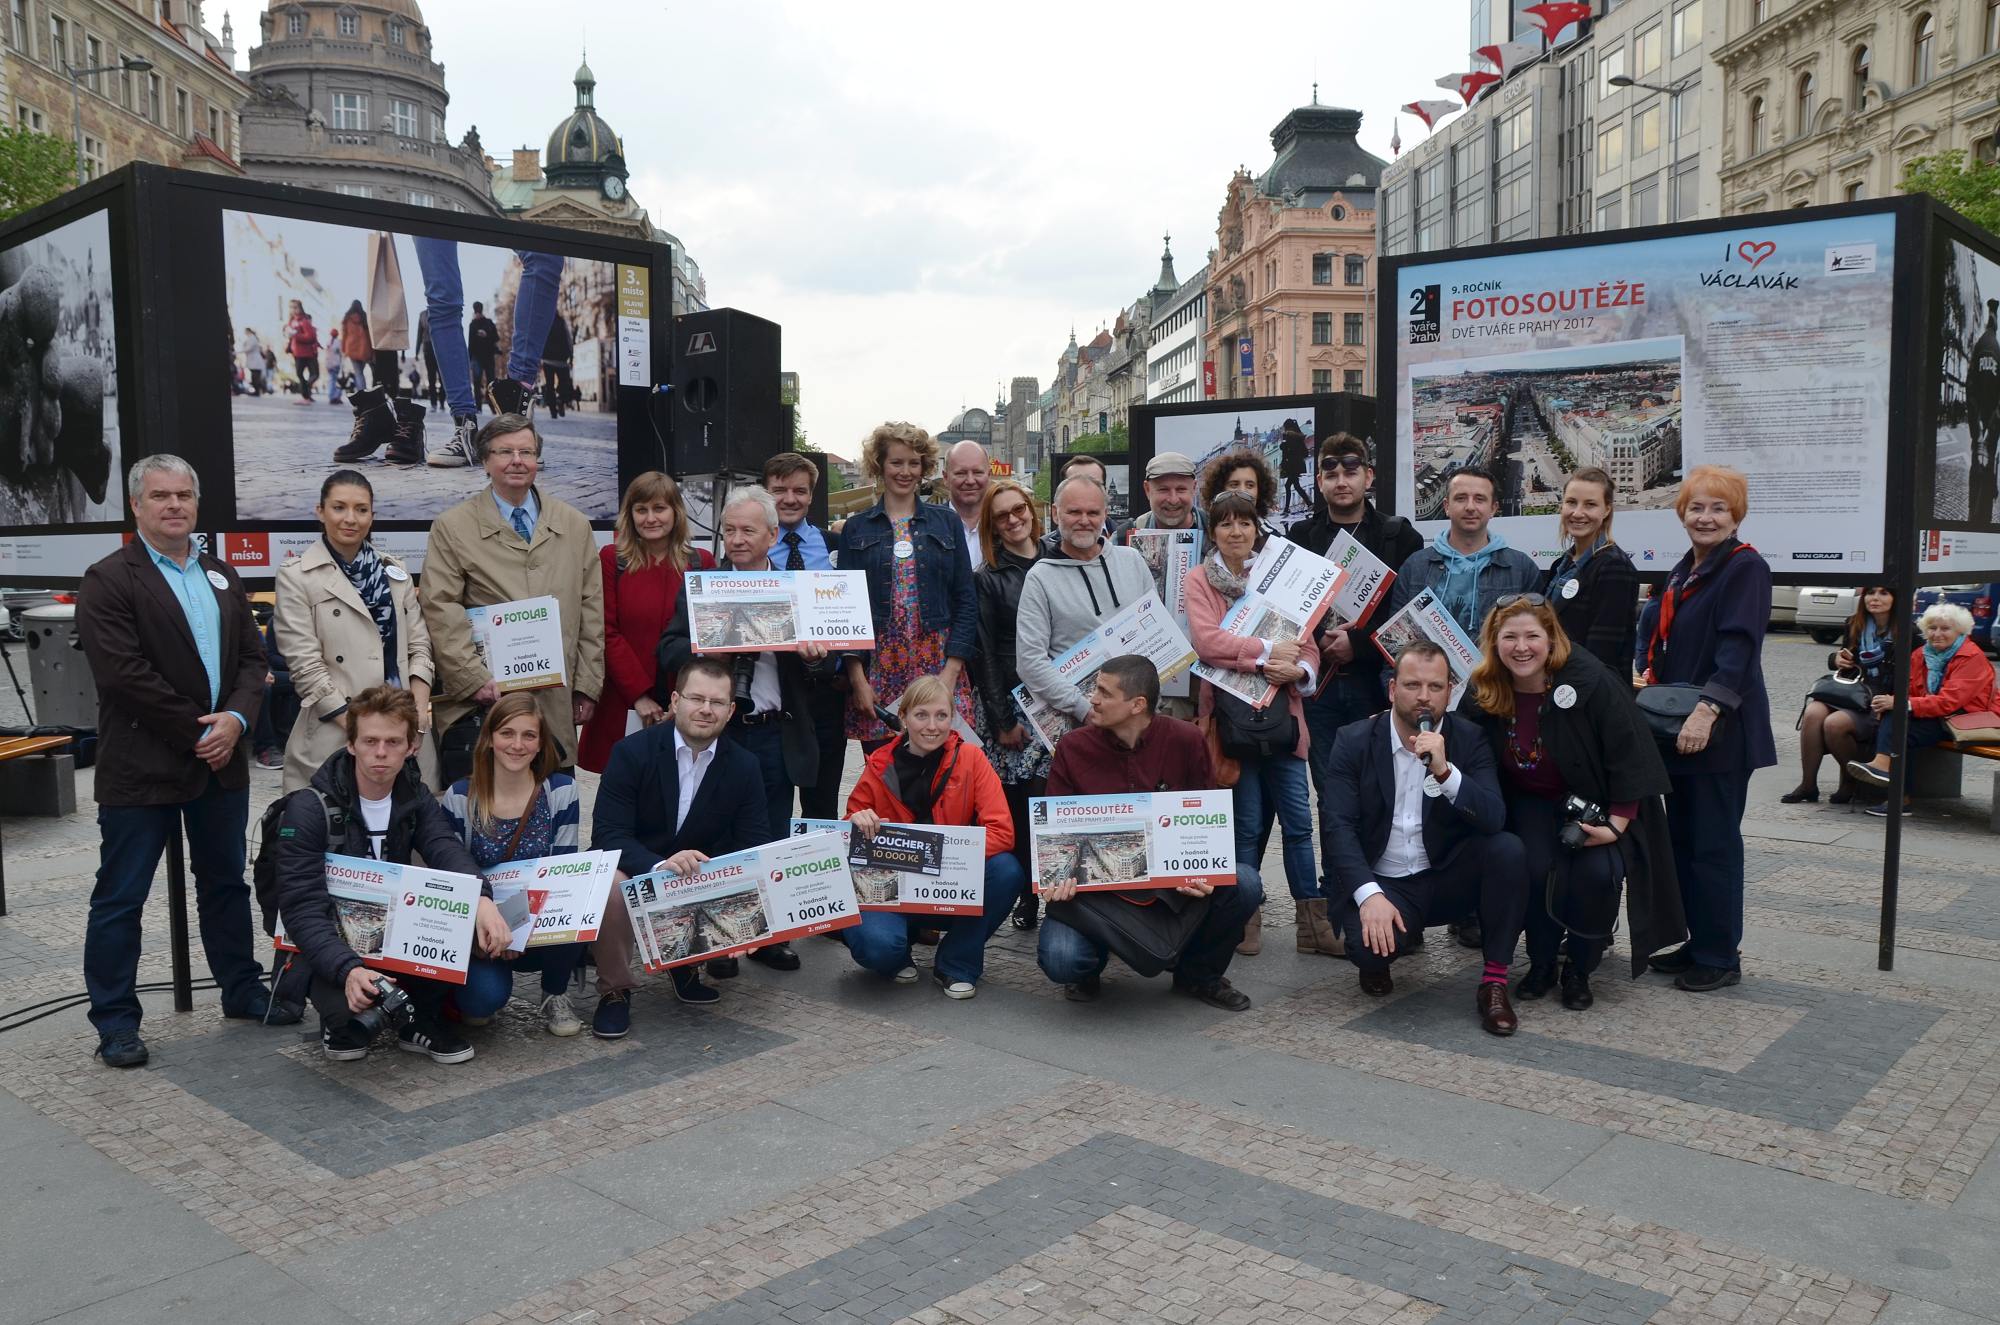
x=905 y=549
x=395 y=572
x=215 y=578
x=1569 y=588
x=1565 y=695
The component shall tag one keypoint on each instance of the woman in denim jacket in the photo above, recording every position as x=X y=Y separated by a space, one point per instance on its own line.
x=920 y=587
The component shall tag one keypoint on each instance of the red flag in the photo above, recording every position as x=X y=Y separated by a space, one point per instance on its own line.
x=1430 y=112
x=1507 y=56
x=1556 y=15
x=1467 y=86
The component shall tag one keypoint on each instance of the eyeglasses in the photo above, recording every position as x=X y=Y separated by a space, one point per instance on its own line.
x=1012 y=513
x=1521 y=600
x=1346 y=464
x=697 y=702
x=510 y=454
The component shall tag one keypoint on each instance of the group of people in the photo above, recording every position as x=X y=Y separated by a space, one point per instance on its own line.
x=1522 y=808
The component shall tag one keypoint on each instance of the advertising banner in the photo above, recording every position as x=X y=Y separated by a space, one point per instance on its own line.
x=776 y=611
x=1146 y=627
x=1289 y=591
x=919 y=869
x=1365 y=581
x=555 y=899
x=521 y=642
x=1424 y=617
x=1158 y=839
x=402 y=919
x=1170 y=554
x=740 y=902
x=1765 y=349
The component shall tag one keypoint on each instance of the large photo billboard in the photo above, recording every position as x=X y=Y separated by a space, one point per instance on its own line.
x=1284 y=436
x=1764 y=348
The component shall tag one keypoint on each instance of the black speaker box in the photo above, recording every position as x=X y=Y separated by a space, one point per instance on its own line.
x=724 y=403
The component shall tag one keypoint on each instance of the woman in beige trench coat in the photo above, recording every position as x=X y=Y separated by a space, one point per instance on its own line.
x=344 y=612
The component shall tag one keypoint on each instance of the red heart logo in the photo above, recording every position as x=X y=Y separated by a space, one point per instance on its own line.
x=1757 y=252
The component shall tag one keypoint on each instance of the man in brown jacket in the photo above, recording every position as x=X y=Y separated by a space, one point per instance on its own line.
x=180 y=672
x=506 y=543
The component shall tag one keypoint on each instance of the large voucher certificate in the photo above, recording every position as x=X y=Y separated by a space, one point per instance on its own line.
x=919 y=869
x=1424 y=617
x=733 y=904
x=555 y=899
x=401 y=918
x=522 y=642
x=1289 y=590
x=1364 y=582
x=762 y=611
x=1146 y=627
x=1170 y=554
x=1159 y=839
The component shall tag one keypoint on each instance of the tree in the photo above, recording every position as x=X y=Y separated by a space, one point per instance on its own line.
x=1103 y=443
x=1970 y=188
x=33 y=169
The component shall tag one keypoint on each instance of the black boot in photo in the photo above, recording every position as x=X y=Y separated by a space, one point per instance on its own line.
x=374 y=426
x=407 y=447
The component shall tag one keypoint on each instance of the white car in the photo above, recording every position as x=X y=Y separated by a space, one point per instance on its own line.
x=1824 y=613
x=1784 y=605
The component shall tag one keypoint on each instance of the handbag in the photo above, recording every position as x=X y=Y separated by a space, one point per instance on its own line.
x=1841 y=692
x=1974 y=728
x=455 y=747
x=1254 y=733
x=1149 y=939
x=1227 y=771
x=1665 y=705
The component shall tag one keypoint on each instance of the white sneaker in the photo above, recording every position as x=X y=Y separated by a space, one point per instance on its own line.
x=907 y=976
x=558 y=1017
x=955 y=988
x=456 y=453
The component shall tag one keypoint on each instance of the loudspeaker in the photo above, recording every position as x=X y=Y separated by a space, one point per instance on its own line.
x=724 y=404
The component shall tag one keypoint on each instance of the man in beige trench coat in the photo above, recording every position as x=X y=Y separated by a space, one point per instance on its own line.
x=509 y=542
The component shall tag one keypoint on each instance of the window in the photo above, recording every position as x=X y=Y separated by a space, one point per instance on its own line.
x=156 y=98
x=183 y=114
x=1351 y=329
x=27 y=117
x=1514 y=200
x=437 y=127
x=124 y=78
x=1322 y=381
x=1646 y=52
x=395 y=32
x=17 y=25
x=1687 y=191
x=1646 y=202
x=1646 y=131
x=1611 y=148
x=1357 y=269
x=1687 y=27
x=58 y=41
x=295 y=24
x=1516 y=131
x=1759 y=10
x=1805 y=103
x=1610 y=65
x=1989 y=41
x=1431 y=207
x=1856 y=191
x=350 y=110
x=403 y=118
x=93 y=58
x=1322 y=269
x=420 y=199
x=1857 y=82
x=1756 y=131
x=1350 y=380
x=93 y=157
x=1322 y=328
x=215 y=126
x=354 y=190
x=1923 y=49
x=1608 y=214
x=350 y=25
x=1683 y=117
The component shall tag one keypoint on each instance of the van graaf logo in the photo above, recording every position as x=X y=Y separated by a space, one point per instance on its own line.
x=830 y=593
x=1739 y=270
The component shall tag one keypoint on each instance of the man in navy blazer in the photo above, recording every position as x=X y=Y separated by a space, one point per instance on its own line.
x=673 y=795
x=1415 y=833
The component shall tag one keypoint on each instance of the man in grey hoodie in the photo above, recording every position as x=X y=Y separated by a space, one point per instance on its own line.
x=1072 y=590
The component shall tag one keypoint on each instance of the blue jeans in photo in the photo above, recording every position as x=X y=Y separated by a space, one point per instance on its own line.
x=881 y=942
x=534 y=312
x=489 y=984
x=1068 y=957
x=1275 y=786
x=132 y=838
x=444 y=297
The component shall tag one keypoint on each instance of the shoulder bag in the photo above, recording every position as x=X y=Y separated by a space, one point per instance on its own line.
x=1665 y=705
x=1149 y=939
x=1842 y=691
x=1245 y=732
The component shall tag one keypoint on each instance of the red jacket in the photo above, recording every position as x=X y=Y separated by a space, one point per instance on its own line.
x=637 y=606
x=1967 y=688
x=968 y=793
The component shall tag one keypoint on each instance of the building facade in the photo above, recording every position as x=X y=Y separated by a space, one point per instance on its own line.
x=1291 y=290
x=181 y=112
x=1828 y=100
x=346 y=95
x=1176 y=342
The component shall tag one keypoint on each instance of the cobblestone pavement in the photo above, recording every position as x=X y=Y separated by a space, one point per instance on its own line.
x=1817 y=1144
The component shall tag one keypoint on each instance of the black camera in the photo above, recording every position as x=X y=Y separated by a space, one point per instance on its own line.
x=742 y=670
x=392 y=1008
x=1579 y=814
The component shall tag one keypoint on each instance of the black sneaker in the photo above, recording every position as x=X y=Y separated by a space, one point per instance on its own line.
x=1671 y=963
x=1469 y=934
x=690 y=989
x=439 y=1040
x=1703 y=979
x=1085 y=990
x=1217 y=993
x=347 y=1043
x=1538 y=981
x=779 y=957
x=123 y=1049
x=510 y=397
x=723 y=968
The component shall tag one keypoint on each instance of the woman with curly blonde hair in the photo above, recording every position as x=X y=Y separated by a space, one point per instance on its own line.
x=920 y=588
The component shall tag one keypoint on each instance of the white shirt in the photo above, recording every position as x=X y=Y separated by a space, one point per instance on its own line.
x=1403 y=854
x=766 y=695
x=972 y=543
x=693 y=767
x=375 y=814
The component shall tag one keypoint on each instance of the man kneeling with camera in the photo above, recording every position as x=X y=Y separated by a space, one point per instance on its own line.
x=369 y=801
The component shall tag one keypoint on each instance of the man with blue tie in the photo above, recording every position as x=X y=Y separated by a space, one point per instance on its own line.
x=789 y=478
x=179 y=667
x=673 y=795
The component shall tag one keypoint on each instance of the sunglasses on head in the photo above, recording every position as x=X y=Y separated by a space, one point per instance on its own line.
x=1349 y=464
x=1521 y=600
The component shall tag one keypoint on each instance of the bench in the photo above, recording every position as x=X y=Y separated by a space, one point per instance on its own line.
x=14 y=748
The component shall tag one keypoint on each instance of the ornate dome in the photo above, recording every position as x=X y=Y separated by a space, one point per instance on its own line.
x=583 y=139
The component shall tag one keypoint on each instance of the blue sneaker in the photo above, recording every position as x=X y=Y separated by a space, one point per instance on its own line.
x=122 y=1049
x=613 y=1019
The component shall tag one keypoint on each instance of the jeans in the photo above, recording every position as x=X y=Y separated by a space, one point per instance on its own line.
x=767 y=741
x=1924 y=733
x=1705 y=824
x=534 y=311
x=307 y=368
x=1488 y=875
x=444 y=297
x=1068 y=957
x=131 y=841
x=489 y=984
x=1276 y=786
x=881 y=942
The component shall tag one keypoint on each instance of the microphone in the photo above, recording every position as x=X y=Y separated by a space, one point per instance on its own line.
x=1424 y=723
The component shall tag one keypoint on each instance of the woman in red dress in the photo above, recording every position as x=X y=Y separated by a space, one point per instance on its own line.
x=643 y=566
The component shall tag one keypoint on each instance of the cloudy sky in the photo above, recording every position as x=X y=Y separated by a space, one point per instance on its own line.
x=926 y=197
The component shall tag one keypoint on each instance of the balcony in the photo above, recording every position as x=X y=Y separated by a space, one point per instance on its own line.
x=321 y=52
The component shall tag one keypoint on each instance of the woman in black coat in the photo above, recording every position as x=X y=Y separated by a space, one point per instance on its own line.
x=1010 y=532
x=1593 y=585
x=1564 y=726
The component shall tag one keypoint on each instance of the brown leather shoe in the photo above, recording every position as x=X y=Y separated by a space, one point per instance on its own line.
x=1496 y=1014
x=1375 y=984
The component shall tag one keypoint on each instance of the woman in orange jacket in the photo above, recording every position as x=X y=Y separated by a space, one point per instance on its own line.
x=1948 y=676
x=928 y=775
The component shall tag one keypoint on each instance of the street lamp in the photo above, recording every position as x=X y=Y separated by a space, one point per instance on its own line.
x=131 y=64
x=1679 y=86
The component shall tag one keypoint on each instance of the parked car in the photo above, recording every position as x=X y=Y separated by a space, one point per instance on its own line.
x=1977 y=599
x=1784 y=605
x=1824 y=613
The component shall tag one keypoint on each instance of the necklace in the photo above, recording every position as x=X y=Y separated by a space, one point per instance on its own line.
x=1528 y=760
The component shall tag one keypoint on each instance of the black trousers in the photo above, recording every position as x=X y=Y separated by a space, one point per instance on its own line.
x=1593 y=879
x=829 y=710
x=1488 y=875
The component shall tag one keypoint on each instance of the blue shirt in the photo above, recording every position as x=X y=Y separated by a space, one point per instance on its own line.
x=812 y=546
x=192 y=590
x=531 y=507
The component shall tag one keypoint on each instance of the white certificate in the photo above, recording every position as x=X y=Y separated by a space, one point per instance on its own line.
x=522 y=643
x=776 y=610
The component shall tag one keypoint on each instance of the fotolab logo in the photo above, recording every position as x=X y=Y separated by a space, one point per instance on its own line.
x=777 y=876
x=409 y=899
x=1166 y=821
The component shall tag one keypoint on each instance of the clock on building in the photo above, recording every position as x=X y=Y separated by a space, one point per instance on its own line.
x=614 y=188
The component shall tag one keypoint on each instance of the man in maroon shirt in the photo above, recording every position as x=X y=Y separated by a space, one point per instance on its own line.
x=1125 y=749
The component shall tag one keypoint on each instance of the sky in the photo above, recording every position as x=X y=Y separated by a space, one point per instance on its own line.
x=927 y=197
